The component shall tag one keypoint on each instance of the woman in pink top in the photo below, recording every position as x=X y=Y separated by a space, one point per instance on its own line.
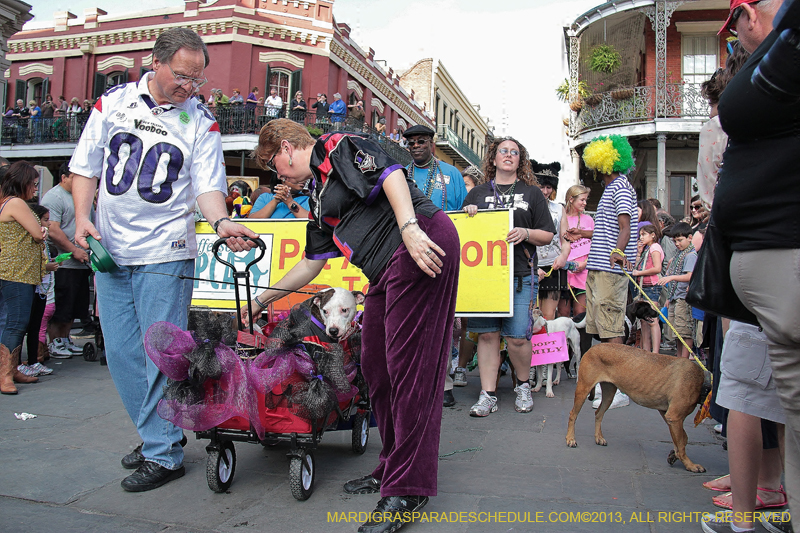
x=648 y=267
x=581 y=229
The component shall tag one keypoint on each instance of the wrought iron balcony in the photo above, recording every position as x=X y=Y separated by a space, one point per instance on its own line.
x=640 y=104
x=232 y=120
x=450 y=143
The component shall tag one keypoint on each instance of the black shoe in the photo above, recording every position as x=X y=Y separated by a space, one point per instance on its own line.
x=150 y=476
x=449 y=399
x=392 y=513
x=363 y=485
x=135 y=459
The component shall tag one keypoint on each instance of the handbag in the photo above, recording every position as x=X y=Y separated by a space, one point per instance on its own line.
x=710 y=287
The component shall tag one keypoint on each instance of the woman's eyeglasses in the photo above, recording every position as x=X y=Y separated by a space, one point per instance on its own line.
x=697 y=207
x=506 y=151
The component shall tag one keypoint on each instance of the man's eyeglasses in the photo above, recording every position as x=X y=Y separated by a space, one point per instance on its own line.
x=506 y=151
x=420 y=142
x=734 y=17
x=182 y=80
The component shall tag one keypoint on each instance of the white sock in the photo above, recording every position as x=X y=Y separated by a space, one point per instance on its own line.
x=738 y=529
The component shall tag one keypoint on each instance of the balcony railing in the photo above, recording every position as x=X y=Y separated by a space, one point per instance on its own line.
x=232 y=120
x=450 y=137
x=638 y=104
x=30 y=130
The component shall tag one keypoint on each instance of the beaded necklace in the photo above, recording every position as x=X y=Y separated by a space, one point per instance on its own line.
x=507 y=192
x=430 y=181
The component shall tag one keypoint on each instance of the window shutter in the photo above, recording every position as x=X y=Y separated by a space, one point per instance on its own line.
x=99 y=85
x=295 y=82
x=19 y=92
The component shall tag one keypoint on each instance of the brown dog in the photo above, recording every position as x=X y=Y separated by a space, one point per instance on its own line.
x=671 y=385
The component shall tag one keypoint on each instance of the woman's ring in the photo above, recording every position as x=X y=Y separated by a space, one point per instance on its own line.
x=429 y=252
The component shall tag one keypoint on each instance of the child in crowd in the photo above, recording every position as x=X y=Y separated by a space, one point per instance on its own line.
x=648 y=267
x=34 y=367
x=679 y=272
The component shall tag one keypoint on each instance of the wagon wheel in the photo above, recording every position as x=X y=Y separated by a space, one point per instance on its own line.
x=360 y=432
x=220 y=467
x=89 y=353
x=301 y=474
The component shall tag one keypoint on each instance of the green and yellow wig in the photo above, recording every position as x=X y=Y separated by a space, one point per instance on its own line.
x=607 y=154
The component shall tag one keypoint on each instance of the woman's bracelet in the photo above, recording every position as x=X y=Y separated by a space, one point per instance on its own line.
x=412 y=220
x=261 y=305
x=528 y=233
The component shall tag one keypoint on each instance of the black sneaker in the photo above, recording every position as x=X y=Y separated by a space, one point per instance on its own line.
x=449 y=399
x=392 y=513
x=135 y=459
x=150 y=476
x=363 y=485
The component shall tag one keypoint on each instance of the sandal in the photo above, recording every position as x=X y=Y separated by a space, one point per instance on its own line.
x=707 y=484
x=727 y=502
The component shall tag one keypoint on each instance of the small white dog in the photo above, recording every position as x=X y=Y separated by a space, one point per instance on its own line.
x=336 y=309
x=570 y=329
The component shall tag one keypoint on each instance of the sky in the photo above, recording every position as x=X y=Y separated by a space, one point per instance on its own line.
x=508 y=57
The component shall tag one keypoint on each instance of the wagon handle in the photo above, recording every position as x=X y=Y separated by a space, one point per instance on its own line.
x=237 y=275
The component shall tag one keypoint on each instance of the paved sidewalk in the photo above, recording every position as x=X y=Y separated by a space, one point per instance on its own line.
x=62 y=472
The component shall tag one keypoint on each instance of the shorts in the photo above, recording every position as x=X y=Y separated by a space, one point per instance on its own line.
x=652 y=291
x=680 y=316
x=746 y=383
x=606 y=296
x=513 y=327
x=554 y=286
x=72 y=295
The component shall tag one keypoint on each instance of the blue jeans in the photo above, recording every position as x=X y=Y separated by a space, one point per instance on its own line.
x=130 y=301
x=17 y=300
x=513 y=327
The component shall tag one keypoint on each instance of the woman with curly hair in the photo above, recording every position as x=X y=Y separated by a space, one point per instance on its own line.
x=510 y=184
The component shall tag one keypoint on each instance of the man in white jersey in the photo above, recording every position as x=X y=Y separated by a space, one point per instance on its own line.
x=157 y=151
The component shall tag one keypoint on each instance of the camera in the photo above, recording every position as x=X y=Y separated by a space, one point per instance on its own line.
x=778 y=73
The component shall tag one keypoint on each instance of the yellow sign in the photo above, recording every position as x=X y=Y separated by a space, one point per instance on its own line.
x=485 y=285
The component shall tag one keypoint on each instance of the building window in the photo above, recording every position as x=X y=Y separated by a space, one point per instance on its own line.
x=699 y=57
x=279 y=79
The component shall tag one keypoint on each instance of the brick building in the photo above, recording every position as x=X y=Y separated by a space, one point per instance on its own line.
x=667 y=49
x=286 y=45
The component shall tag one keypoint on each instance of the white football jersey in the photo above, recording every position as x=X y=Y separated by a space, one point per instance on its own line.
x=152 y=163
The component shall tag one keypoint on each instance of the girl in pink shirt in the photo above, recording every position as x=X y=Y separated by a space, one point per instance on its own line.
x=581 y=229
x=648 y=267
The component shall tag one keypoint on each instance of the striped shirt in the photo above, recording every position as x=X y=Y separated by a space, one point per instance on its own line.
x=618 y=198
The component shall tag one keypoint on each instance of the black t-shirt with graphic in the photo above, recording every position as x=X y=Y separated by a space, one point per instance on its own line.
x=530 y=211
x=350 y=213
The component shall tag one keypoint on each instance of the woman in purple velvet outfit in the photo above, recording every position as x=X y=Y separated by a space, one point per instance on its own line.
x=363 y=206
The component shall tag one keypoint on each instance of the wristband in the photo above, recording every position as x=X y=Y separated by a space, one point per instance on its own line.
x=412 y=220
x=261 y=305
x=528 y=233
x=216 y=224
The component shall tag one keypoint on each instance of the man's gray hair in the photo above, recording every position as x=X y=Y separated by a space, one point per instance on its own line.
x=172 y=40
x=768 y=6
x=337 y=95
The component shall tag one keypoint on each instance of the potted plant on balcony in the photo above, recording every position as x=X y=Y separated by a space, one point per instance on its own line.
x=604 y=58
x=562 y=91
x=622 y=93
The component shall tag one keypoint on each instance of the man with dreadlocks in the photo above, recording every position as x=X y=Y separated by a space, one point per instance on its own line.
x=613 y=243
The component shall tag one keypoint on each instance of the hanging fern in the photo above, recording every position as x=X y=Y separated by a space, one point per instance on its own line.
x=605 y=58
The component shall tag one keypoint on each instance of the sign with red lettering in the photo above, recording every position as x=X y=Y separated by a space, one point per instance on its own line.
x=485 y=283
x=549 y=348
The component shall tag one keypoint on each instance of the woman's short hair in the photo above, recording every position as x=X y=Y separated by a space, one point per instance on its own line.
x=20 y=176
x=276 y=131
x=524 y=170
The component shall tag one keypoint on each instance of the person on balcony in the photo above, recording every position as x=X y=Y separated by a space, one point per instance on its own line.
x=321 y=105
x=356 y=117
x=63 y=106
x=274 y=104
x=237 y=98
x=380 y=130
x=298 y=107
x=337 y=111
x=252 y=99
x=49 y=107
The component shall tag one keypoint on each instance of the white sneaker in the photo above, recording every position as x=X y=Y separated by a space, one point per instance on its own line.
x=72 y=347
x=598 y=396
x=41 y=369
x=484 y=406
x=718 y=428
x=28 y=370
x=58 y=350
x=460 y=377
x=620 y=400
x=524 y=401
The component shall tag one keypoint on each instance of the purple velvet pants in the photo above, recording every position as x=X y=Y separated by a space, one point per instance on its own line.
x=406 y=338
